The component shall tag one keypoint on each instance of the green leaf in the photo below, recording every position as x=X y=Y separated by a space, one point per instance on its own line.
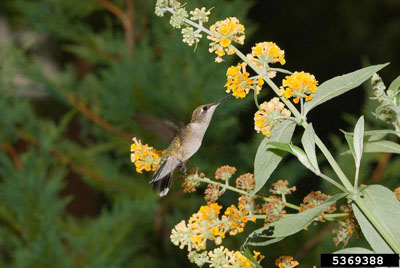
x=382 y=147
x=380 y=206
x=266 y=159
x=395 y=85
x=340 y=85
x=354 y=251
x=281 y=146
x=265 y=243
x=308 y=142
x=301 y=156
x=350 y=142
x=249 y=255
x=370 y=233
x=358 y=139
x=374 y=134
x=291 y=224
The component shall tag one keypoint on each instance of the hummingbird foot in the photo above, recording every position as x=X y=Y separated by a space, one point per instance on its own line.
x=183 y=167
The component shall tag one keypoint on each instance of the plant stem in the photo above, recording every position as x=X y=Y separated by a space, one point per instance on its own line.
x=298 y=115
x=356 y=176
x=330 y=180
x=256 y=100
x=207 y=180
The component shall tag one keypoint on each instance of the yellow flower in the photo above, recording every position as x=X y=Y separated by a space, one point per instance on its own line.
x=222 y=257
x=397 y=193
x=267 y=117
x=299 y=85
x=223 y=33
x=236 y=219
x=286 y=262
x=264 y=53
x=239 y=83
x=144 y=157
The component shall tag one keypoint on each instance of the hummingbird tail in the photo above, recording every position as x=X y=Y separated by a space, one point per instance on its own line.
x=163 y=177
x=163 y=184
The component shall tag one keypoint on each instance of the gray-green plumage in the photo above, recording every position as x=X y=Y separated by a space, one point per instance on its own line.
x=186 y=143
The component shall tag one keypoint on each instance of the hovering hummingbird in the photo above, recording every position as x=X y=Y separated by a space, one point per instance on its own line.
x=185 y=144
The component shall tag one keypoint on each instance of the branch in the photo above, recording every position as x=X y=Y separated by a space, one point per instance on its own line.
x=13 y=153
x=80 y=106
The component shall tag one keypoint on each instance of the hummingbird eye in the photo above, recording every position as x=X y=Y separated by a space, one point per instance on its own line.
x=205 y=108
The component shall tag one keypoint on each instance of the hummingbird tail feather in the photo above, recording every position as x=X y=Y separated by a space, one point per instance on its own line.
x=163 y=184
x=163 y=177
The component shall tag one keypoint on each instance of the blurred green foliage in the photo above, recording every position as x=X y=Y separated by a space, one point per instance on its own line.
x=73 y=78
x=72 y=86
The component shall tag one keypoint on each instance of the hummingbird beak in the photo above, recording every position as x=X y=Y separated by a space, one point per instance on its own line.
x=221 y=100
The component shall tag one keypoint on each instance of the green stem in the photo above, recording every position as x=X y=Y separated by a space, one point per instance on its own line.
x=336 y=215
x=356 y=176
x=298 y=115
x=255 y=99
x=330 y=180
x=207 y=180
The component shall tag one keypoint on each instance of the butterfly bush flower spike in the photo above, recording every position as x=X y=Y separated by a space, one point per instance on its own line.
x=269 y=116
x=299 y=85
x=286 y=262
x=144 y=157
x=223 y=33
x=265 y=53
x=239 y=82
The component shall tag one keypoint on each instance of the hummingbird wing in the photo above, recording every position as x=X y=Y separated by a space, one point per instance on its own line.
x=165 y=130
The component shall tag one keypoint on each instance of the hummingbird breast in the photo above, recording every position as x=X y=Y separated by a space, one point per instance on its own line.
x=191 y=140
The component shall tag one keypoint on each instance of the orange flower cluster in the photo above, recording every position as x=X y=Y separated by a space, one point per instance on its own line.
x=269 y=116
x=206 y=225
x=286 y=262
x=265 y=53
x=223 y=33
x=299 y=85
x=239 y=82
x=144 y=157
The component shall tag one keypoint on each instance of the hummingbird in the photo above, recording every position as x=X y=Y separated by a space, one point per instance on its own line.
x=186 y=143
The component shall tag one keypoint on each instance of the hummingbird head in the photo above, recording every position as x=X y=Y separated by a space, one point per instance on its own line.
x=204 y=113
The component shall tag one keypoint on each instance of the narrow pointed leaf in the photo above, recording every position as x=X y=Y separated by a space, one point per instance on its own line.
x=358 y=139
x=384 y=209
x=291 y=224
x=249 y=255
x=308 y=142
x=266 y=159
x=395 y=85
x=371 y=135
x=266 y=242
x=350 y=142
x=301 y=156
x=382 y=147
x=340 y=85
x=281 y=146
x=354 y=251
x=374 y=239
